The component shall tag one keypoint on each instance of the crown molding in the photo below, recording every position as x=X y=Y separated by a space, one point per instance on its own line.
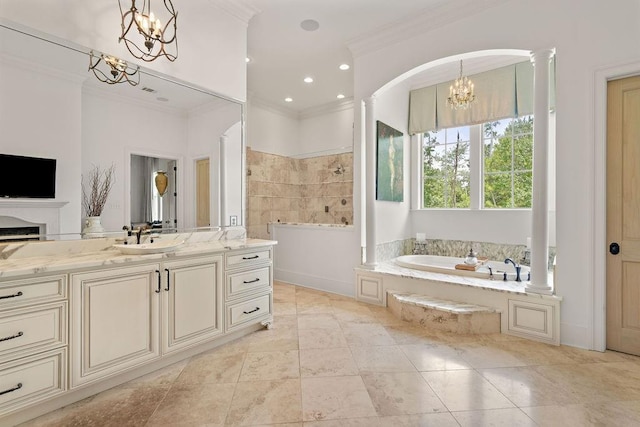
x=272 y=107
x=321 y=110
x=331 y=107
x=37 y=67
x=424 y=22
x=239 y=9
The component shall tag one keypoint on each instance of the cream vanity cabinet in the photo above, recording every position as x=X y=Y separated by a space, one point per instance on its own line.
x=125 y=317
x=248 y=288
x=33 y=340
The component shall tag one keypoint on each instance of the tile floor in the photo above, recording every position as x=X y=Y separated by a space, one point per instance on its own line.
x=331 y=361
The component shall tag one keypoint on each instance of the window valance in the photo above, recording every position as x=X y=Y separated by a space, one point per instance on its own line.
x=500 y=93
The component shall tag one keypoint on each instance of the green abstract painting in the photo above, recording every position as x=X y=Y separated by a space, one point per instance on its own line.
x=389 y=179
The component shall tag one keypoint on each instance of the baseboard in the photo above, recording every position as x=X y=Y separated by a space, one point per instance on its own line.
x=344 y=288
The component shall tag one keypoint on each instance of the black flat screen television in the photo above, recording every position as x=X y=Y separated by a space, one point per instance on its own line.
x=27 y=177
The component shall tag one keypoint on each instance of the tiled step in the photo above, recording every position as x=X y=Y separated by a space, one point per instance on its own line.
x=444 y=315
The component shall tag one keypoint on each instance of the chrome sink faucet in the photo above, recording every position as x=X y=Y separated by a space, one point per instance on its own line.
x=516 y=266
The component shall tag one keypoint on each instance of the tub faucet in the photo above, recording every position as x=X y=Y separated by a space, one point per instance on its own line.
x=516 y=266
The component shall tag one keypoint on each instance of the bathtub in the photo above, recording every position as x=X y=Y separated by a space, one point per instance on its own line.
x=446 y=265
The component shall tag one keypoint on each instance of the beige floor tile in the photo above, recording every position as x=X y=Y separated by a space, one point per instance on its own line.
x=618 y=414
x=385 y=317
x=366 y=334
x=489 y=355
x=525 y=386
x=421 y=420
x=381 y=359
x=596 y=382
x=321 y=338
x=284 y=308
x=193 y=403
x=434 y=357
x=409 y=334
x=350 y=422
x=164 y=376
x=213 y=367
x=271 y=365
x=401 y=393
x=319 y=320
x=119 y=406
x=335 y=398
x=285 y=321
x=278 y=338
x=313 y=308
x=266 y=402
x=465 y=390
x=331 y=362
x=512 y=417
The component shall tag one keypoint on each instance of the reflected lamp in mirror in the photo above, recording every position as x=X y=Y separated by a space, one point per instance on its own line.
x=112 y=70
x=152 y=39
x=162 y=182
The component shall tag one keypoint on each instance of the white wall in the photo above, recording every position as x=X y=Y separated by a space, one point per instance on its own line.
x=212 y=47
x=113 y=129
x=272 y=131
x=205 y=126
x=601 y=34
x=328 y=133
x=43 y=120
x=314 y=256
x=393 y=217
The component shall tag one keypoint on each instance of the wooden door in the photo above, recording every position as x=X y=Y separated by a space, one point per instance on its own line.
x=203 y=218
x=623 y=215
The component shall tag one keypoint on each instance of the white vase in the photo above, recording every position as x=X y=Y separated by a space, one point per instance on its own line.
x=93 y=228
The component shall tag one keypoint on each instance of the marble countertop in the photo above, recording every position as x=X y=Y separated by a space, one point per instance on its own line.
x=29 y=258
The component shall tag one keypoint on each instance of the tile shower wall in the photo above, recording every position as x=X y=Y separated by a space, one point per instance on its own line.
x=284 y=189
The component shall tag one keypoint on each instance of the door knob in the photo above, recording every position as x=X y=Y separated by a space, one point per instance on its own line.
x=614 y=248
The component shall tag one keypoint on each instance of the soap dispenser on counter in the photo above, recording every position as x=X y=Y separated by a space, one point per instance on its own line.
x=472 y=258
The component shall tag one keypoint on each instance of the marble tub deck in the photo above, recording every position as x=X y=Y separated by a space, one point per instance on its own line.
x=331 y=361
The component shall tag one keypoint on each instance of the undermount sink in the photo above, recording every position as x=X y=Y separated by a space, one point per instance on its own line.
x=156 y=247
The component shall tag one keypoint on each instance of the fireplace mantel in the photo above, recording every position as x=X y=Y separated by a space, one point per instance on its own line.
x=30 y=203
x=37 y=211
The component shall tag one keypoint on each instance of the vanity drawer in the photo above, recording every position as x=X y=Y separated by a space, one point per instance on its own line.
x=236 y=260
x=241 y=313
x=246 y=281
x=18 y=293
x=32 y=379
x=32 y=329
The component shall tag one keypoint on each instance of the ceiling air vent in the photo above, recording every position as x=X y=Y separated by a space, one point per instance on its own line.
x=148 y=89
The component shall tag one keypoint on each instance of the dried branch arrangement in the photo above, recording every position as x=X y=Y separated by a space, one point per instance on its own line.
x=95 y=193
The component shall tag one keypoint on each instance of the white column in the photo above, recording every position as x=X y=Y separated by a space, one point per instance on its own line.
x=540 y=209
x=370 y=187
x=224 y=219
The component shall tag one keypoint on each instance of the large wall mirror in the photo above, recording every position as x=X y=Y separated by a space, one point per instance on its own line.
x=52 y=106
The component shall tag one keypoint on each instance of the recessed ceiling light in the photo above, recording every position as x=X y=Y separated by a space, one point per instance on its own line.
x=162 y=98
x=308 y=80
x=309 y=25
x=344 y=67
x=340 y=96
x=247 y=59
x=288 y=100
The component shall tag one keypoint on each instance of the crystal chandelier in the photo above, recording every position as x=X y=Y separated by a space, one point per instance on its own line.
x=146 y=27
x=461 y=92
x=115 y=69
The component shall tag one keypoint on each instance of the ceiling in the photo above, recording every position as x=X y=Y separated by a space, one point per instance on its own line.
x=282 y=54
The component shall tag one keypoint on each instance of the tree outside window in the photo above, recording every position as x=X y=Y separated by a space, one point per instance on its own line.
x=507 y=168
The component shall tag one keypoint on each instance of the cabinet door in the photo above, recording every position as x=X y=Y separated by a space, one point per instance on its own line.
x=192 y=302
x=115 y=321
